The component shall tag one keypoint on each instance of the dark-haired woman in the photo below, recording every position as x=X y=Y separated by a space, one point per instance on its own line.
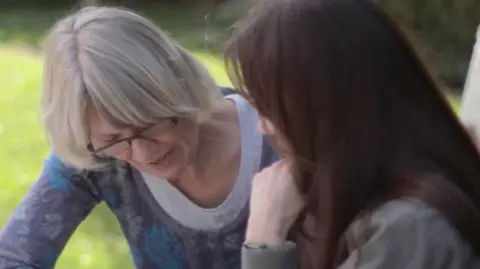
x=378 y=172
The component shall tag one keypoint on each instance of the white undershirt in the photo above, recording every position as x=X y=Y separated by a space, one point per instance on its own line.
x=179 y=207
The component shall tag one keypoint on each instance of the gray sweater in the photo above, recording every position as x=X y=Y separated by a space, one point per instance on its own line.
x=402 y=234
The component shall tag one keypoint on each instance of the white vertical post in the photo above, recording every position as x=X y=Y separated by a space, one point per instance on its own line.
x=470 y=105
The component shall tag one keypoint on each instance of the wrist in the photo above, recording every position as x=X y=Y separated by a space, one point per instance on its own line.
x=265 y=233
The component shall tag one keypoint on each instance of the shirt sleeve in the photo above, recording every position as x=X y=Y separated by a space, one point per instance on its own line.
x=41 y=225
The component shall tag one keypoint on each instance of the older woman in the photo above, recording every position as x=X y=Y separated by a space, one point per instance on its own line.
x=137 y=122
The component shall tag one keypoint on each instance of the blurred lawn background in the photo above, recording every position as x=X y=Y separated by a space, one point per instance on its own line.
x=98 y=242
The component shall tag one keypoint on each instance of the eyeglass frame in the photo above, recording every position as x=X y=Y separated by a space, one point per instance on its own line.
x=98 y=152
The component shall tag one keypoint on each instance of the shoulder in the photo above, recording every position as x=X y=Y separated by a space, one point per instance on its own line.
x=410 y=214
x=114 y=172
x=405 y=212
x=249 y=118
x=408 y=232
x=54 y=166
x=53 y=163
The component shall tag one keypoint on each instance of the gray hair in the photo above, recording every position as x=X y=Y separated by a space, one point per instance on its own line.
x=121 y=66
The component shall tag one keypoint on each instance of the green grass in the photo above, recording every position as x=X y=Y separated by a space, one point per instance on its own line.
x=454 y=102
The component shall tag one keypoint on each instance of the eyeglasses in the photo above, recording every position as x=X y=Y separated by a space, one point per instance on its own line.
x=125 y=145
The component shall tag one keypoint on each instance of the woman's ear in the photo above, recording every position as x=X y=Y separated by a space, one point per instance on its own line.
x=266 y=127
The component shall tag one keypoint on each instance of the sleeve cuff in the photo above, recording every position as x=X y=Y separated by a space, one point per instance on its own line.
x=283 y=256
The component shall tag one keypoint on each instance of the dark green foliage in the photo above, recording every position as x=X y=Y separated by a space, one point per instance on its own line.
x=442 y=30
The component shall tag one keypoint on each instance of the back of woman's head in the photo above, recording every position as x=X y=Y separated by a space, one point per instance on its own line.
x=115 y=63
x=362 y=117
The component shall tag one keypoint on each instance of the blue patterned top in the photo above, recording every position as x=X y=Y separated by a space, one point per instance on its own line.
x=63 y=197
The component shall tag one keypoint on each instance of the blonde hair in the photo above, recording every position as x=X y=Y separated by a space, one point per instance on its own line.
x=123 y=67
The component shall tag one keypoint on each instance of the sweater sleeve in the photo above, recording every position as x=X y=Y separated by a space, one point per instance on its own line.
x=272 y=257
x=55 y=205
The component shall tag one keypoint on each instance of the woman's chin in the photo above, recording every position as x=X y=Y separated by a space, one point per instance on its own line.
x=170 y=171
x=162 y=171
x=171 y=167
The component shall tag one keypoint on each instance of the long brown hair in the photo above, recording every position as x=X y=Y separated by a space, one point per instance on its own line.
x=364 y=119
